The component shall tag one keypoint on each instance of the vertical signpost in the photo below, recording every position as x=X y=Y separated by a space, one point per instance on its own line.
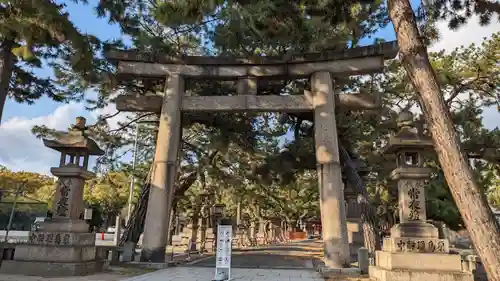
x=223 y=256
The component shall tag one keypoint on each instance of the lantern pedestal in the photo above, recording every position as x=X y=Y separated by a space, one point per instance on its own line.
x=416 y=229
x=62 y=246
x=418 y=267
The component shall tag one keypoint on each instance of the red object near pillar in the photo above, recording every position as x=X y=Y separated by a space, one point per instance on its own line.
x=102 y=236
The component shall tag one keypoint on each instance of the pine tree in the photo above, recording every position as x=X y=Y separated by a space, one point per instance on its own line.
x=32 y=32
x=470 y=198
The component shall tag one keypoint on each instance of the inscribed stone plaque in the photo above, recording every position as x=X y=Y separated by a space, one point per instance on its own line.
x=416 y=245
x=68 y=200
x=55 y=239
x=411 y=194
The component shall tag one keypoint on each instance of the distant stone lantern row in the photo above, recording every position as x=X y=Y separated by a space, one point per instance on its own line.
x=200 y=228
x=414 y=250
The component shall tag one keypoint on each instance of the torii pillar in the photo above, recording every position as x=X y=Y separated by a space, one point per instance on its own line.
x=333 y=214
x=164 y=172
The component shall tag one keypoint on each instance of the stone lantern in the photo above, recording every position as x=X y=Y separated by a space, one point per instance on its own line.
x=193 y=226
x=353 y=212
x=63 y=246
x=204 y=218
x=414 y=250
x=245 y=219
x=218 y=210
x=410 y=146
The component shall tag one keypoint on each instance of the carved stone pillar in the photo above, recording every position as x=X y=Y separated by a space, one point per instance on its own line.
x=333 y=216
x=253 y=230
x=164 y=172
x=194 y=227
x=352 y=208
x=354 y=225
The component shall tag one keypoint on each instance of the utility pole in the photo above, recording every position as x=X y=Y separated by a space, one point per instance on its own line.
x=132 y=180
x=9 y=225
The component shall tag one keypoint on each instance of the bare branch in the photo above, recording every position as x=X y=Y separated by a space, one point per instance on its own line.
x=132 y=121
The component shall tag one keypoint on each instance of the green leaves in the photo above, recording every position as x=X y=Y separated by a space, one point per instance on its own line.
x=42 y=32
x=23 y=52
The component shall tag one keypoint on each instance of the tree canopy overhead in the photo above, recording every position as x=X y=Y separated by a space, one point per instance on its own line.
x=242 y=28
x=40 y=34
x=247 y=154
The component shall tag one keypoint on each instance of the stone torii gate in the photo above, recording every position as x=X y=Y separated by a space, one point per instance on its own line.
x=319 y=67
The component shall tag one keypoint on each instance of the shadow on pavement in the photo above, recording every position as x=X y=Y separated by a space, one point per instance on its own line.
x=298 y=255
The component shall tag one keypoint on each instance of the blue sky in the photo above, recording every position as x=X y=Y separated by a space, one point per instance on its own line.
x=20 y=150
x=84 y=18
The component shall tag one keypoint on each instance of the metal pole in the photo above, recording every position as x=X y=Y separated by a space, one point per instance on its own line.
x=132 y=180
x=9 y=225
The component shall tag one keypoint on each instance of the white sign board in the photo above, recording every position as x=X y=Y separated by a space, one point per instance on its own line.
x=223 y=255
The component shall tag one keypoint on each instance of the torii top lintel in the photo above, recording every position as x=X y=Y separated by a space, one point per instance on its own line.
x=360 y=60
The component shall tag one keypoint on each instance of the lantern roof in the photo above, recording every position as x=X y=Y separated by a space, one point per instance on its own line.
x=76 y=140
x=408 y=137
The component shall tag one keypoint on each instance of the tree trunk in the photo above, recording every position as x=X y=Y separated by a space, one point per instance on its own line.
x=371 y=233
x=6 y=67
x=470 y=199
x=173 y=219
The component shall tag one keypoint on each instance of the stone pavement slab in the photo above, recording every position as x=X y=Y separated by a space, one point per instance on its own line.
x=238 y=274
x=115 y=274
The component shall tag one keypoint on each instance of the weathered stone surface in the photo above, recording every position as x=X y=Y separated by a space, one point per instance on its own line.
x=353 y=66
x=51 y=269
x=162 y=188
x=61 y=238
x=381 y=274
x=68 y=201
x=411 y=200
x=246 y=102
x=414 y=229
x=363 y=260
x=416 y=245
x=27 y=252
x=333 y=216
x=418 y=261
x=64 y=226
x=128 y=252
x=388 y=50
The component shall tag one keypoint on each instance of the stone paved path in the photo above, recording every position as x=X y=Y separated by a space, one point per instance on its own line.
x=287 y=262
x=238 y=274
x=287 y=256
x=112 y=274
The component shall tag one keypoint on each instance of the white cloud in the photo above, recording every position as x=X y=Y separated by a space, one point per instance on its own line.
x=21 y=150
x=465 y=35
x=473 y=32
